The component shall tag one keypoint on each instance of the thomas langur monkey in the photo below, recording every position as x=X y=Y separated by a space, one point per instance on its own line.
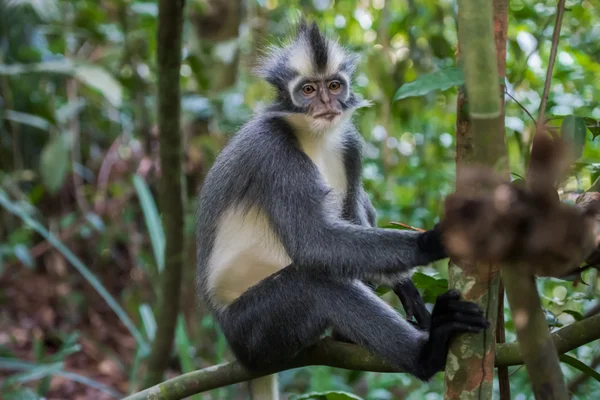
x=286 y=232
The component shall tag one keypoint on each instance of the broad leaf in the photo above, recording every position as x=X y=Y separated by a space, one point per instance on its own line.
x=101 y=80
x=27 y=119
x=439 y=80
x=90 y=75
x=594 y=126
x=573 y=129
x=54 y=162
x=575 y=363
x=331 y=395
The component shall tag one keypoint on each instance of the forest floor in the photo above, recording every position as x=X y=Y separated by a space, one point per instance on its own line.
x=39 y=309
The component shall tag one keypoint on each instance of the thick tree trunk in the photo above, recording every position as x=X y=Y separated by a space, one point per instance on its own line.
x=171 y=188
x=479 y=139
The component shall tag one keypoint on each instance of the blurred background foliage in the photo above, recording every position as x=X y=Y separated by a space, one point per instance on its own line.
x=80 y=236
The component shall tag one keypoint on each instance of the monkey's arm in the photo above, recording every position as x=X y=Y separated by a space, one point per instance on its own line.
x=290 y=190
x=402 y=285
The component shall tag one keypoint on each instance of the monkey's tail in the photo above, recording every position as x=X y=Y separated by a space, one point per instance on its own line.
x=265 y=388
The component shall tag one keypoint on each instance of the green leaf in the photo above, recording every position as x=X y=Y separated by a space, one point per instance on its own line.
x=27 y=119
x=574 y=314
x=35 y=371
x=439 y=80
x=575 y=363
x=91 y=75
x=54 y=162
x=20 y=394
x=153 y=222
x=34 y=374
x=22 y=253
x=594 y=126
x=573 y=129
x=184 y=350
x=101 y=80
x=49 y=67
x=77 y=264
x=331 y=395
x=145 y=8
x=148 y=320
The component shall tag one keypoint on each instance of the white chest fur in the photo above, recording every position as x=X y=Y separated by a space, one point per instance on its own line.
x=326 y=150
x=246 y=250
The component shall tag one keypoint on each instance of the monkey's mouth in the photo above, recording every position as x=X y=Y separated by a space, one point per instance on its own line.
x=329 y=115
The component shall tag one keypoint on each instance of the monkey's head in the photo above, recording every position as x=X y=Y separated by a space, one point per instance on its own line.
x=312 y=75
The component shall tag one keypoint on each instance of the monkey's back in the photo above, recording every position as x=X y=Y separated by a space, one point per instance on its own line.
x=236 y=246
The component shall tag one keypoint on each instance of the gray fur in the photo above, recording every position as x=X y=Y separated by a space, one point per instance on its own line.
x=264 y=167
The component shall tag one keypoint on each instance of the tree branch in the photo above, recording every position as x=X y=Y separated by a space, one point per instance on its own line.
x=560 y=10
x=347 y=356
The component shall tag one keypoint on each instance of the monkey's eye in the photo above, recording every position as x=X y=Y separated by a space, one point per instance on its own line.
x=308 y=89
x=335 y=86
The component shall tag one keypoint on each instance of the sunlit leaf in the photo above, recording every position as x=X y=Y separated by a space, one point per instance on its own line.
x=54 y=162
x=27 y=119
x=101 y=80
x=93 y=76
x=574 y=314
x=145 y=8
x=439 y=80
x=573 y=129
x=331 y=395
x=64 y=67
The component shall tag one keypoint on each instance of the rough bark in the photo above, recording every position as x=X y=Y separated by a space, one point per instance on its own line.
x=539 y=352
x=479 y=139
x=170 y=189
x=346 y=356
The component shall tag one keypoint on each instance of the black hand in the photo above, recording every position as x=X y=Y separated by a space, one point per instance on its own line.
x=451 y=316
x=430 y=242
x=413 y=303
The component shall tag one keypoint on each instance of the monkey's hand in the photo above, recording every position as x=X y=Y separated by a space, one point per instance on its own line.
x=413 y=303
x=430 y=243
x=451 y=316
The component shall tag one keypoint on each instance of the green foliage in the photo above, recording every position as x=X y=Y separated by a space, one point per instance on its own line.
x=155 y=228
x=54 y=163
x=575 y=363
x=79 y=266
x=332 y=395
x=424 y=84
x=573 y=129
x=109 y=225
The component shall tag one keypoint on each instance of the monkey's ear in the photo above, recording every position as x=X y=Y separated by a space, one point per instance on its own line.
x=302 y=26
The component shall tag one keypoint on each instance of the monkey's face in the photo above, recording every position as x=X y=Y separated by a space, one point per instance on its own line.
x=322 y=99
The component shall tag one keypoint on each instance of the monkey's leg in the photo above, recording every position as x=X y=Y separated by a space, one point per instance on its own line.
x=413 y=303
x=361 y=316
x=274 y=320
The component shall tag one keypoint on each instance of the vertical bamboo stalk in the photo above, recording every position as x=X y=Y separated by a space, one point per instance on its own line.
x=479 y=139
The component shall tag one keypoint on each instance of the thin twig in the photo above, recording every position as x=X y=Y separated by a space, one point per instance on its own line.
x=412 y=228
x=520 y=105
x=560 y=9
